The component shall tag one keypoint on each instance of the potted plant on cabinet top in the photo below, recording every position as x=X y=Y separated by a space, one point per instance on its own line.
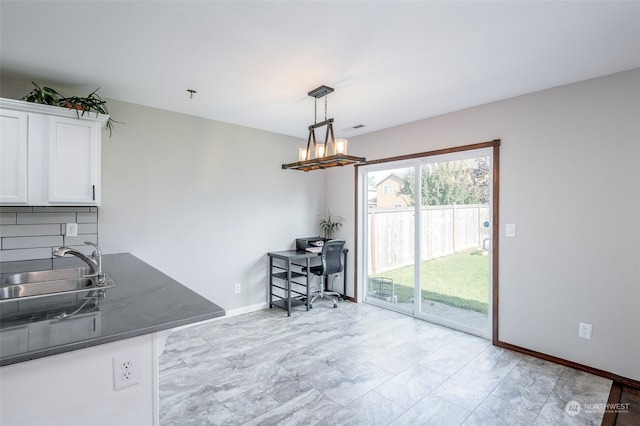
x=42 y=95
x=82 y=105
x=329 y=224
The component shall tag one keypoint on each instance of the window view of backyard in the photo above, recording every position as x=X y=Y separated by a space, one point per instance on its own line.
x=459 y=280
x=454 y=239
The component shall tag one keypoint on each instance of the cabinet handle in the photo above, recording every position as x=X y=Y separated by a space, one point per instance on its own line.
x=93 y=189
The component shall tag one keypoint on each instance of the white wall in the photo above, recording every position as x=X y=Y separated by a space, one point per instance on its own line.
x=203 y=201
x=570 y=181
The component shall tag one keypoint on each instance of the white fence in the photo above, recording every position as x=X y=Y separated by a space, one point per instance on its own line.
x=444 y=230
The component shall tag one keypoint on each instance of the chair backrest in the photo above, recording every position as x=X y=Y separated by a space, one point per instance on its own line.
x=332 y=259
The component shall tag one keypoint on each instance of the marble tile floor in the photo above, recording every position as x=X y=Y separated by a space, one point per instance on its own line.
x=360 y=365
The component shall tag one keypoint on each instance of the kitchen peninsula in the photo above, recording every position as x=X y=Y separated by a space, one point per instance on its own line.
x=132 y=321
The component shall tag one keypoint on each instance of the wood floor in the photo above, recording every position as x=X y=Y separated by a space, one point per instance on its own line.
x=623 y=406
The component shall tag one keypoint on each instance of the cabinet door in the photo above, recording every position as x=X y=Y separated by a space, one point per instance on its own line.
x=13 y=157
x=74 y=161
x=76 y=328
x=14 y=340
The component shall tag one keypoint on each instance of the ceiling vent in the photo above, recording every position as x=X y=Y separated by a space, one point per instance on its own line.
x=356 y=127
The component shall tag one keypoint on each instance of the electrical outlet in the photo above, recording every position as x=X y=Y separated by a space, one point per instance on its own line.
x=126 y=371
x=71 y=230
x=238 y=288
x=584 y=332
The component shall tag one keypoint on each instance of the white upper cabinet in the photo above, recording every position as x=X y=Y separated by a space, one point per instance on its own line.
x=74 y=161
x=13 y=157
x=49 y=157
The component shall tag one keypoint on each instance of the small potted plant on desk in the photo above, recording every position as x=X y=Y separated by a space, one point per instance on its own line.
x=329 y=223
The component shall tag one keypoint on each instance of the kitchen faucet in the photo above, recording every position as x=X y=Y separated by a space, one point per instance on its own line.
x=94 y=262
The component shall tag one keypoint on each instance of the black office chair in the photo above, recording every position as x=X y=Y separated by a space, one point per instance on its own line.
x=332 y=262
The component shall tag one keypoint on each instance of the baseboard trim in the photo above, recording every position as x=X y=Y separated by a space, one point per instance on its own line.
x=245 y=309
x=567 y=363
x=228 y=313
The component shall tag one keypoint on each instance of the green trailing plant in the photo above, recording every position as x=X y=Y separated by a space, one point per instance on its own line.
x=42 y=95
x=80 y=104
x=329 y=223
x=88 y=104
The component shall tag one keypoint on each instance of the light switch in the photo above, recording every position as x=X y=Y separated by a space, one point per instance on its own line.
x=511 y=230
x=71 y=230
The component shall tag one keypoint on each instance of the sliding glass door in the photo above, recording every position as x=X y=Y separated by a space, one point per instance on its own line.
x=391 y=239
x=428 y=229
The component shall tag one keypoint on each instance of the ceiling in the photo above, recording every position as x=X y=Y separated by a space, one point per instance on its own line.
x=252 y=63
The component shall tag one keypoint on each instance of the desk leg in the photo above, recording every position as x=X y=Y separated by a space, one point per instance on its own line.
x=288 y=288
x=308 y=280
x=344 y=277
x=270 y=282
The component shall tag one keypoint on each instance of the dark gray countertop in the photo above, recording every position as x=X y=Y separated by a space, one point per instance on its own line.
x=143 y=301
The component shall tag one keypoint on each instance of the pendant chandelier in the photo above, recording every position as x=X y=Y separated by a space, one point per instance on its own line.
x=331 y=153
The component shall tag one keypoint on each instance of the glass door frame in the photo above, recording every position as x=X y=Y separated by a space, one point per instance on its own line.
x=361 y=238
x=363 y=262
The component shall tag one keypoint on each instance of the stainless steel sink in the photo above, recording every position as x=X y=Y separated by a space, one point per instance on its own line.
x=48 y=275
x=53 y=282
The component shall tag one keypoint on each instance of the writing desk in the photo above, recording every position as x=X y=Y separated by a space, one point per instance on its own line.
x=286 y=267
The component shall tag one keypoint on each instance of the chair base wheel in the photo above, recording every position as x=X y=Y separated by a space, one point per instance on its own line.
x=335 y=306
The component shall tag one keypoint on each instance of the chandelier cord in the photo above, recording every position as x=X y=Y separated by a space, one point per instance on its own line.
x=315 y=111
x=325 y=107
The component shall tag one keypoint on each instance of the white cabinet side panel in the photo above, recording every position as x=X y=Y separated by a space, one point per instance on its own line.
x=13 y=157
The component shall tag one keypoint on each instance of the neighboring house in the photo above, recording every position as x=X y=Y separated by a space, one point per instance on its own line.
x=388 y=192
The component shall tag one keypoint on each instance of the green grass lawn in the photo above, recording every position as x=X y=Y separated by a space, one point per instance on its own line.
x=460 y=280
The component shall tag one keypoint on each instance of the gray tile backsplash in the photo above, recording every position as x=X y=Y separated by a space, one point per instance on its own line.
x=28 y=233
x=7 y=218
x=34 y=218
x=31 y=242
x=31 y=230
